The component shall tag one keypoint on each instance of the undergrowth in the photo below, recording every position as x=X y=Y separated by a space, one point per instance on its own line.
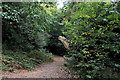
x=12 y=60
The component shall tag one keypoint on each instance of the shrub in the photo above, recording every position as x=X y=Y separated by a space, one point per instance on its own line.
x=24 y=35
x=21 y=29
x=93 y=31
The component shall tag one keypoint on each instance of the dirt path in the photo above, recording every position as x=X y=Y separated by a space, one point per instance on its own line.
x=47 y=70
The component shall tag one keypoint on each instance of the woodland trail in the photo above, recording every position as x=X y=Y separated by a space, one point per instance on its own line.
x=46 y=70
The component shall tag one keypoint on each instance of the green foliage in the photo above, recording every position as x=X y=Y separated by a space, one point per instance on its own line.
x=29 y=27
x=22 y=29
x=24 y=33
x=12 y=60
x=93 y=31
x=54 y=45
x=55 y=26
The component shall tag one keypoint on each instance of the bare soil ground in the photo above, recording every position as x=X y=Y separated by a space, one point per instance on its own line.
x=46 y=70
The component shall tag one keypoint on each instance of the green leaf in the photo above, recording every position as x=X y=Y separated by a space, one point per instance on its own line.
x=88 y=76
x=80 y=64
x=103 y=12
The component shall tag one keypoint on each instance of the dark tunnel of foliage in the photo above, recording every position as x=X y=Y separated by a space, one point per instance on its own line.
x=92 y=30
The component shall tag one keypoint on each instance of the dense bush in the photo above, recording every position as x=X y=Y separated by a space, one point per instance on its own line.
x=23 y=20
x=24 y=31
x=93 y=31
